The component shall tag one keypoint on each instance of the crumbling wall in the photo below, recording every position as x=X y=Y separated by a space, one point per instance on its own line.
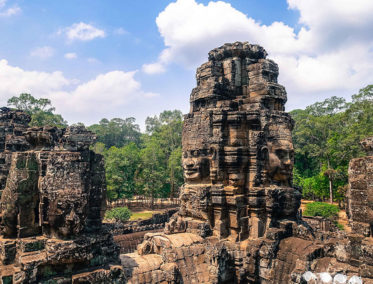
x=360 y=191
x=52 y=201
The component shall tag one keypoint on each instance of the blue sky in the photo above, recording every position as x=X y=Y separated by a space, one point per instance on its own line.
x=96 y=58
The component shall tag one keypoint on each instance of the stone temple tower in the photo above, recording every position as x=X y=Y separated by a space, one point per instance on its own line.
x=237 y=147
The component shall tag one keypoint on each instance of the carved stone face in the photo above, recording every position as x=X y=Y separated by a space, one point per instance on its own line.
x=280 y=161
x=291 y=202
x=236 y=179
x=196 y=165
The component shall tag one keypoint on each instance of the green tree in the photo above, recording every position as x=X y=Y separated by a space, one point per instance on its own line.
x=152 y=177
x=117 y=132
x=175 y=171
x=314 y=133
x=166 y=130
x=121 y=166
x=326 y=137
x=40 y=110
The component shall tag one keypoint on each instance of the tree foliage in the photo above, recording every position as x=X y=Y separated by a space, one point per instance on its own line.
x=121 y=166
x=119 y=214
x=117 y=132
x=40 y=110
x=326 y=137
x=141 y=164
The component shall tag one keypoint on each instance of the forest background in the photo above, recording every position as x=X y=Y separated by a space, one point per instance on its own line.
x=326 y=137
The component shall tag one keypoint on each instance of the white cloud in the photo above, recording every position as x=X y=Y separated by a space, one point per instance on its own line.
x=82 y=31
x=70 y=55
x=100 y=97
x=332 y=51
x=9 y=11
x=14 y=80
x=153 y=68
x=42 y=52
x=104 y=93
x=92 y=60
x=120 y=31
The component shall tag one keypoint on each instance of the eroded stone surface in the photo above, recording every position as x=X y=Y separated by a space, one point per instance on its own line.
x=360 y=192
x=52 y=201
x=239 y=220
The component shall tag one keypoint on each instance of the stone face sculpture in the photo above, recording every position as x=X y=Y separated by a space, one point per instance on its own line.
x=238 y=221
x=52 y=202
x=236 y=142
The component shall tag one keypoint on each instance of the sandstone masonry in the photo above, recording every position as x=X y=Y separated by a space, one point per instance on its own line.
x=239 y=220
x=52 y=201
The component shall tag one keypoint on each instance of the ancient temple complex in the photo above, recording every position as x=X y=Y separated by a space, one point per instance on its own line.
x=239 y=219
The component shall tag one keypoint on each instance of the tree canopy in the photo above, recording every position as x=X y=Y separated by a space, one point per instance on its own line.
x=117 y=131
x=141 y=164
x=40 y=110
x=326 y=137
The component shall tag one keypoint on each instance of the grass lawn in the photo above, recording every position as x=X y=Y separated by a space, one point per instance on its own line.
x=141 y=215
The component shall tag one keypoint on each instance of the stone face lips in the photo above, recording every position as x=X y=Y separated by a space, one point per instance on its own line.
x=52 y=202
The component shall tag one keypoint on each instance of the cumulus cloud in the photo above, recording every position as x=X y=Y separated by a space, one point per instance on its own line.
x=7 y=12
x=82 y=31
x=99 y=97
x=42 y=52
x=102 y=94
x=153 y=68
x=70 y=55
x=15 y=80
x=331 y=53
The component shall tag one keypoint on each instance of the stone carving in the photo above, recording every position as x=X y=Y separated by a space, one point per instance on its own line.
x=360 y=191
x=52 y=201
x=238 y=221
x=236 y=142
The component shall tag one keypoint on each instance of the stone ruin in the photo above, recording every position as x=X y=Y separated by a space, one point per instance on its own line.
x=238 y=221
x=52 y=189
x=360 y=193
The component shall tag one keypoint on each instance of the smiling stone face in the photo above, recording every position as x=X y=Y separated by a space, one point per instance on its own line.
x=281 y=160
x=196 y=165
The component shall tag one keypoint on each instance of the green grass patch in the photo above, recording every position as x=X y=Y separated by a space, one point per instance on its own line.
x=119 y=214
x=141 y=215
x=321 y=209
x=340 y=226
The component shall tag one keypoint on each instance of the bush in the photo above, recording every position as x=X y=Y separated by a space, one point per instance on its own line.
x=325 y=210
x=119 y=214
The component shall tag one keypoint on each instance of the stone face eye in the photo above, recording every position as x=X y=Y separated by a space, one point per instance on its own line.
x=185 y=154
x=280 y=154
